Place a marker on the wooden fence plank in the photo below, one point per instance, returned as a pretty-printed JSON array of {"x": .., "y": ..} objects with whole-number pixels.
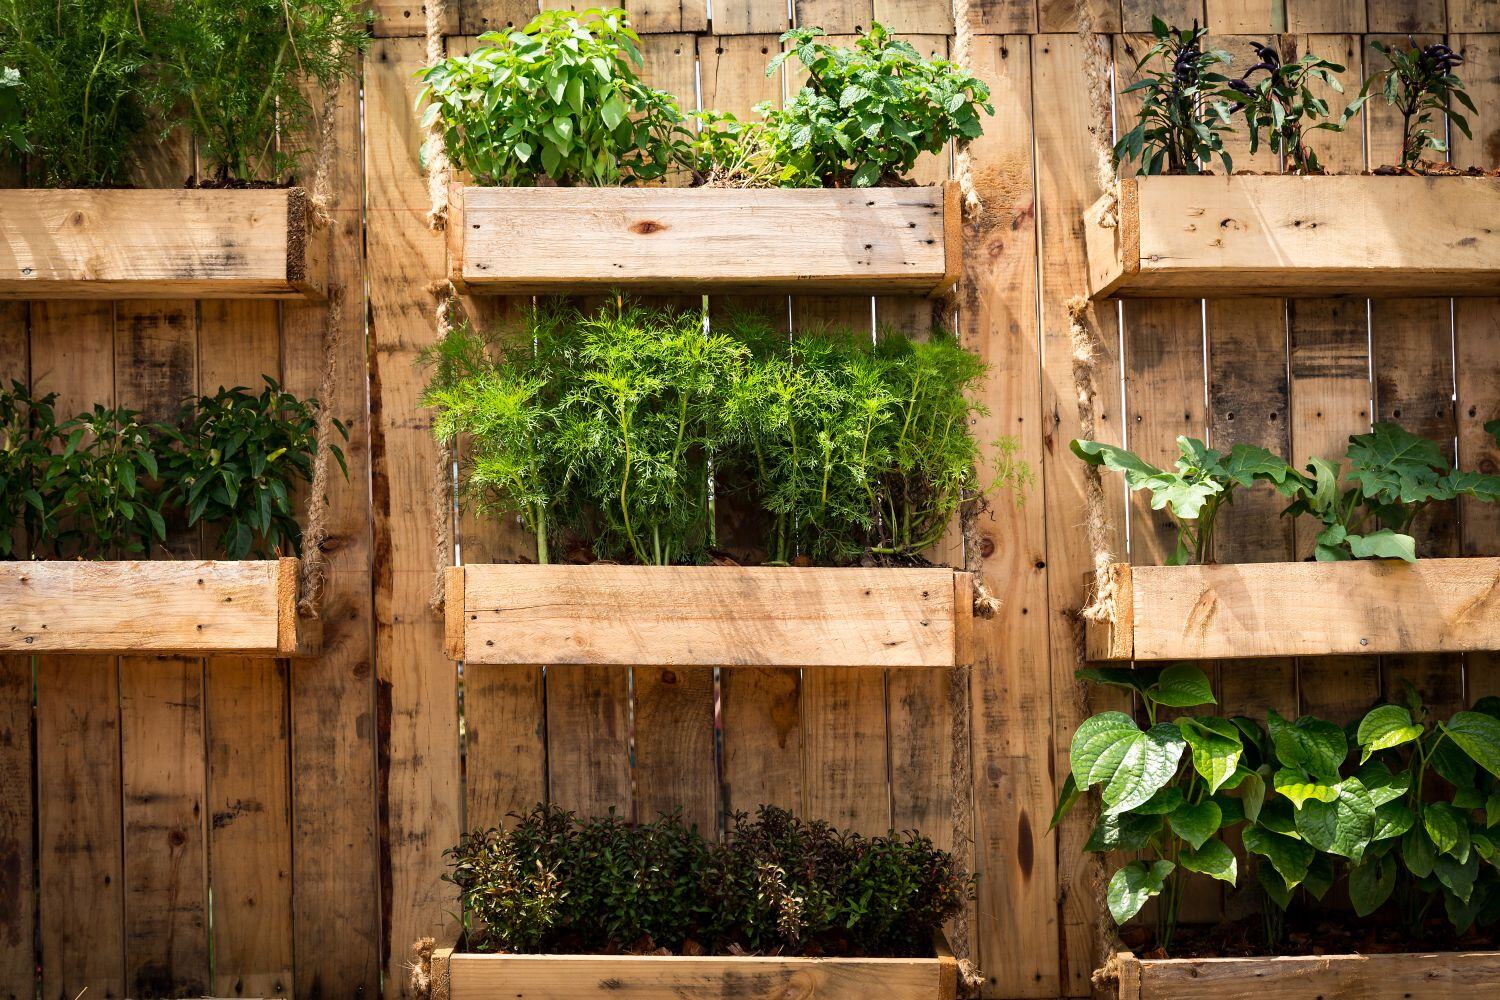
[
  {"x": 418, "y": 721},
  {"x": 748, "y": 17},
  {"x": 1407, "y": 16},
  {"x": 80, "y": 880},
  {"x": 1061, "y": 15},
  {"x": 1011, "y": 685},
  {"x": 475, "y": 17},
  {"x": 1326, "y": 16},
  {"x": 336, "y": 915}
]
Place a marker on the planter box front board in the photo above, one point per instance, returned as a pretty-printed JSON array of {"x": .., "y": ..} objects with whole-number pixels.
[
  {"x": 149, "y": 607},
  {"x": 1257, "y": 610},
  {"x": 709, "y": 616},
  {"x": 1203, "y": 237},
  {"x": 460, "y": 976},
  {"x": 159, "y": 244},
  {"x": 1414, "y": 976},
  {"x": 541, "y": 240}
]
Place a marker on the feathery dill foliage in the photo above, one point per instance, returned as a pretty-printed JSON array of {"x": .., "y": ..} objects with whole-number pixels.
[
  {"x": 608, "y": 427},
  {"x": 778, "y": 885},
  {"x": 234, "y": 73},
  {"x": 77, "y": 88}
]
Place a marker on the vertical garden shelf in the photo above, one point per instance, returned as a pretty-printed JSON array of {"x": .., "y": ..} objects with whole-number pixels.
[
  {"x": 460, "y": 976},
  {"x": 541, "y": 240},
  {"x": 160, "y": 244},
  {"x": 1365, "y": 235},
  {"x": 709, "y": 616},
  {"x": 1258, "y": 610},
  {"x": 1428, "y": 975},
  {"x": 149, "y": 607}
]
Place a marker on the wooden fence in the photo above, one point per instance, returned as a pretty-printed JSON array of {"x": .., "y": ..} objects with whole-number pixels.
[{"x": 254, "y": 828}]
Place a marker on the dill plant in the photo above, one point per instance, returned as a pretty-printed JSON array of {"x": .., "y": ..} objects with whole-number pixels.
[
  {"x": 71, "y": 71},
  {"x": 236, "y": 71}
]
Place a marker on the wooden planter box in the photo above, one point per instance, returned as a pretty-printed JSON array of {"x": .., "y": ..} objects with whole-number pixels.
[
  {"x": 149, "y": 607},
  {"x": 1203, "y": 237},
  {"x": 709, "y": 616},
  {"x": 1414, "y": 976},
  {"x": 159, "y": 244},
  {"x": 461, "y": 976},
  {"x": 1255, "y": 610},
  {"x": 541, "y": 240}
]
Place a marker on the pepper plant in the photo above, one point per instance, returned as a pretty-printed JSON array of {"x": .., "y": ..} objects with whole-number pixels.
[
  {"x": 559, "y": 99},
  {"x": 28, "y": 429},
  {"x": 238, "y": 461},
  {"x": 1167, "y": 791},
  {"x": 102, "y": 490},
  {"x": 1283, "y": 105},
  {"x": 1199, "y": 486},
  {"x": 1186, "y": 105},
  {"x": 1421, "y": 85}
]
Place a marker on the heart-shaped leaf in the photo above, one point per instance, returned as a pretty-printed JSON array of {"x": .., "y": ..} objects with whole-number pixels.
[
  {"x": 1297, "y": 786},
  {"x": 1182, "y": 686},
  {"x": 1289, "y": 856},
  {"x": 1448, "y": 828},
  {"x": 1213, "y": 859},
  {"x": 1371, "y": 883},
  {"x": 1122, "y": 832},
  {"x": 1478, "y": 735},
  {"x": 1133, "y": 885},
  {"x": 1215, "y": 746},
  {"x": 1133, "y": 765},
  {"x": 1385, "y": 727},
  {"x": 1343, "y": 826},
  {"x": 1195, "y": 823},
  {"x": 1392, "y": 819},
  {"x": 1382, "y": 785},
  {"x": 1318, "y": 747}
]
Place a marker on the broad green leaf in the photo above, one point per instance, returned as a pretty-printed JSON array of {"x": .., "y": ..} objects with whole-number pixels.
[
  {"x": 1290, "y": 857},
  {"x": 1276, "y": 889},
  {"x": 1252, "y": 789},
  {"x": 1382, "y": 785},
  {"x": 1161, "y": 803},
  {"x": 1492, "y": 810},
  {"x": 1448, "y": 828},
  {"x": 1295, "y": 784},
  {"x": 1385, "y": 727},
  {"x": 1343, "y": 826},
  {"x": 1317, "y": 747},
  {"x": 1212, "y": 859},
  {"x": 1215, "y": 746},
  {"x": 1479, "y": 736},
  {"x": 1122, "y": 832},
  {"x": 1392, "y": 819},
  {"x": 1371, "y": 883},
  {"x": 1383, "y": 544},
  {"x": 1457, "y": 876},
  {"x": 1182, "y": 686},
  {"x": 1133, "y": 885},
  {"x": 1319, "y": 876},
  {"x": 1417, "y": 851},
  {"x": 1133, "y": 765},
  {"x": 1066, "y": 799},
  {"x": 1195, "y": 823}
]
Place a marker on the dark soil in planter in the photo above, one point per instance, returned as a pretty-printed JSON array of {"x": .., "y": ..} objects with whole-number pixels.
[{"x": 1311, "y": 934}]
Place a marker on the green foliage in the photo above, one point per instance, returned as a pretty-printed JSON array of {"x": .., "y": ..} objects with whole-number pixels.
[
  {"x": 72, "y": 94},
  {"x": 1203, "y": 482},
  {"x": 237, "y": 70},
  {"x": 609, "y": 427},
  {"x": 237, "y": 465},
  {"x": 1411, "y": 816},
  {"x": 1283, "y": 105},
  {"x": 103, "y": 484},
  {"x": 1396, "y": 475},
  {"x": 1186, "y": 105},
  {"x": 1421, "y": 85},
  {"x": 866, "y": 113},
  {"x": 777, "y": 885},
  {"x": 559, "y": 99},
  {"x": 28, "y": 427}
]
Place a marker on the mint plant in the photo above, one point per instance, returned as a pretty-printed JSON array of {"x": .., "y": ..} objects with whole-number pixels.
[
  {"x": 1186, "y": 105},
  {"x": 1201, "y": 483},
  {"x": 560, "y": 99},
  {"x": 1283, "y": 105},
  {"x": 1420, "y": 84}
]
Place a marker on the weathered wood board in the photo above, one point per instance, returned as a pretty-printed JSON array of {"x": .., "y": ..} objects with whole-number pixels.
[
  {"x": 159, "y": 244},
  {"x": 156, "y": 607},
  {"x": 459, "y": 976},
  {"x": 537, "y": 240},
  {"x": 706, "y": 616},
  {"x": 1254, "y": 610},
  {"x": 1288, "y": 235},
  {"x": 1429, "y": 975}
]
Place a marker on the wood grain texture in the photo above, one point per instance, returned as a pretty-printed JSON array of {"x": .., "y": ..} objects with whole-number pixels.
[
  {"x": 1431, "y": 976},
  {"x": 575, "y": 977},
  {"x": 524, "y": 240},
  {"x": 160, "y": 607},
  {"x": 104, "y": 244},
  {"x": 707, "y": 616},
  {"x": 1279, "y": 236},
  {"x": 1326, "y": 15},
  {"x": 1365, "y": 607}
]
